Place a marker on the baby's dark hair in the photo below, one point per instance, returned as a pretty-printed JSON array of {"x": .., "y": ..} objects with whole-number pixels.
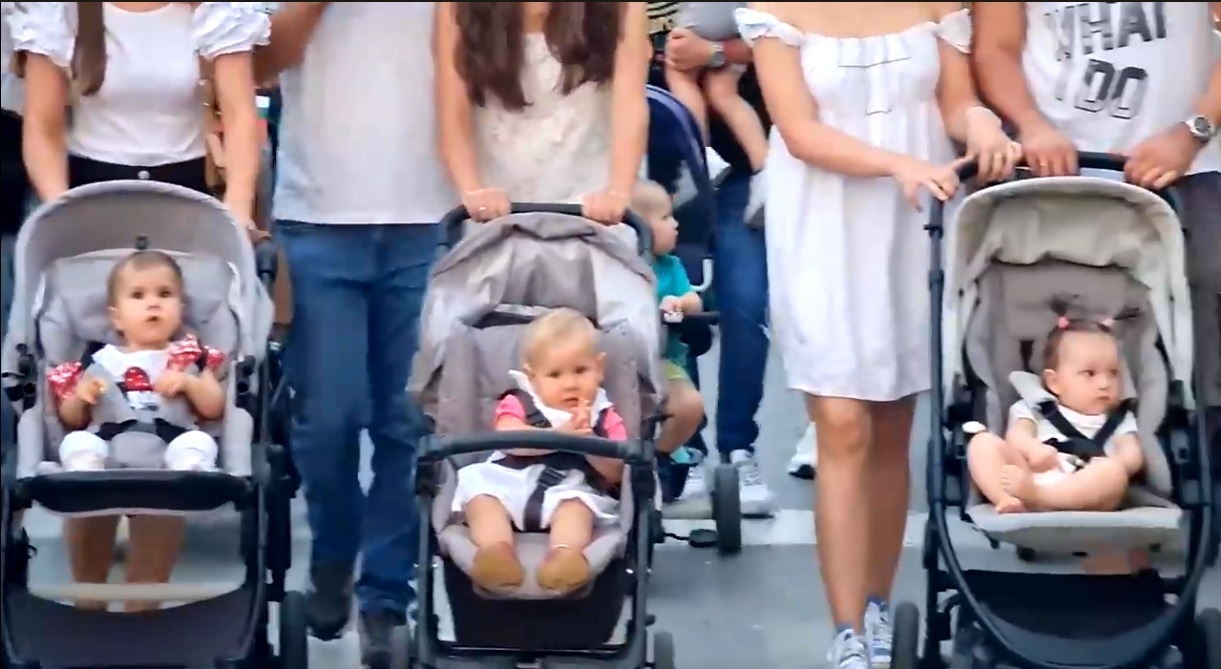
[
  {"x": 139, "y": 261},
  {"x": 1067, "y": 324}
]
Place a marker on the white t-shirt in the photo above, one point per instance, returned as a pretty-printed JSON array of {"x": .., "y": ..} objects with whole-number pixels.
[
  {"x": 1086, "y": 424},
  {"x": 1111, "y": 74},
  {"x": 11, "y": 97},
  {"x": 358, "y": 131},
  {"x": 145, "y": 366},
  {"x": 148, "y": 111}
]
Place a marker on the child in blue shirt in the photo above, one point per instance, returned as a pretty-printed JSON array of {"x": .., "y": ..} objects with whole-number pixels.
[{"x": 675, "y": 296}]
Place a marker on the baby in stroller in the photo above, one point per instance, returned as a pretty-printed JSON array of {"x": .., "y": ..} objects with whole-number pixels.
[
  {"x": 559, "y": 389},
  {"x": 124, "y": 401},
  {"x": 1072, "y": 443}
]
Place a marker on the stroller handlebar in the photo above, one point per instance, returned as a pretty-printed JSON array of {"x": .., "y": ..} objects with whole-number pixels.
[
  {"x": 1086, "y": 160},
  {"x": 438, "y": 447},
  {"x": 452, "y": 223}
]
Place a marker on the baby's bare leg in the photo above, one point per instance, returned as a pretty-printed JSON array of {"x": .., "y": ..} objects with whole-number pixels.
[
  {"x": 721, "y": 91},
  {"x": 495, "y": 564},
  {"x": 686, "y": 87},
  {"x": 987, "y": 457},
  {"x": 572, "y": 530},
  {"x": 1099, "y": 486},
  {"x": 152, "y": 552}
]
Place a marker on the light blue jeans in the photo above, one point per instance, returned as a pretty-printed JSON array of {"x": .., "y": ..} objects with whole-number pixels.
[{"x": 357, "y": 295}]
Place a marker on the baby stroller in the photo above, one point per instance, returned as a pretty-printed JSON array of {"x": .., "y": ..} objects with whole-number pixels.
[
  {"x": 481, "y": 295},
  {"x": 64, "y": 254},
  {"x": 1106, "y": 248}
]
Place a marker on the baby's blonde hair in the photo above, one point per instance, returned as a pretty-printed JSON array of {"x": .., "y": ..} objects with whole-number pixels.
[
  {"x": 558, "y": 325},
  {"x": 650, "y": 198}
]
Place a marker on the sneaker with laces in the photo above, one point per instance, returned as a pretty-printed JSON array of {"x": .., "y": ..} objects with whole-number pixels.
[
  {"x": 848, "y": 652},
  {"x": 878, "y": 635},
  {"x": 805, "y": 456},
  {"x": 328, "y": 606},
  {"x": 376, "y": 638},
  {"x": 757, "y": 498},
  {"x": 694, "y": 502}
]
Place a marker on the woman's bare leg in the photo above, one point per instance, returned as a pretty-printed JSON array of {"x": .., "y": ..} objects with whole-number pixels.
[
  {"x": 496, "y": 564},
  {"x": 1099, "y": 486},
  {"x": 842, "y": 509},
  {"x": 572, "y": 530},
  {"x": 686, "y": 87},
  {"x": 90, "y": 543},
  {"x": 888, "y": 480},
  {"x": 685, "y": 408},
  {"x": 152, "y": 551},
  {"x": 987, "y": 457},
  {"x": 721, "y": 92}
]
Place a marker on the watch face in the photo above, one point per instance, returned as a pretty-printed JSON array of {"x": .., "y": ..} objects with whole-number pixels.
[{"x": 1201, "y": 126}]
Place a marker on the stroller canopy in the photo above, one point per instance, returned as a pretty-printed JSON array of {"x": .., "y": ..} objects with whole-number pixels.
[{"x": 536, "y": 260}]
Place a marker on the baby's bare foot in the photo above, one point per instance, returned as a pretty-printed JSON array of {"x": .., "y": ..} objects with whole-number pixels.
[
  {"x": 1019, "y": 484},
  {"x": 1010, "y": 505}
]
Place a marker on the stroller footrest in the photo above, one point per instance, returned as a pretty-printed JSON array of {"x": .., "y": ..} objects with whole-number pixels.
[
  {"x": 133, "y": 489},
  {"x": 132, "y": 592}
]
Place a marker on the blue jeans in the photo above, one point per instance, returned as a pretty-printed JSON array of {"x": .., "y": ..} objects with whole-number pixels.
[
  {"x": 740, "y": 282},
  {"x": 357, "y": 295},
  {"x": 8, "y": 244}
]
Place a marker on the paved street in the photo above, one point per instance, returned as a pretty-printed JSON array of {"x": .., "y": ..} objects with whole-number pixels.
[{"x": 763, "y": 609}]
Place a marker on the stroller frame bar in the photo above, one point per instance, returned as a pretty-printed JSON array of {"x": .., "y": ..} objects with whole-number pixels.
[{"x": 946, "y": 573}]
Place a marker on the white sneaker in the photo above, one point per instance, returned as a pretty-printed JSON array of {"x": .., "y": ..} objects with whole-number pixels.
[
  {"x": 694, "y": 503},
  {"x": 878, "y": 636},
  {"x": 717, "y": 167},
  {"x": 85, "y": 461},
  {"x": 805, "y": 458},
  {"x": 848, "y": 652},
  {"x": 757, "y": 499},
  {"x": 758, "y": 197}
]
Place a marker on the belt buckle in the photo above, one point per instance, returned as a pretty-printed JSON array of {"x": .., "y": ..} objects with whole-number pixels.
[{"x": 551, "y": 477}]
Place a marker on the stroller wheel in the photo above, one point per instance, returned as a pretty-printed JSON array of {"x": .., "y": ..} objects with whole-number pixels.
[
  {"x": 294, "y": 642},
  {"x": 1206, "y": 646},
  {"x": 727, "y": 509},
  {"x": 663, "y": 651},
  {"x": 905, "y": 650}
]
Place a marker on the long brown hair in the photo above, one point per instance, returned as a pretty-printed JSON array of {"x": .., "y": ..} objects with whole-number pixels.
[
  {"x": 490, "y": 54},
  {"x": 88, "y": 67}
]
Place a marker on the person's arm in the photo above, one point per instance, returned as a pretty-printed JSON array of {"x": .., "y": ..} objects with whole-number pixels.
[
  {"x": 455, "y": 112},
  {"x": 956, "y": 96},
  {"x": 44, "y": 144},
  {"x": 737, "y": 52},
  {"x": 629, "y": 105},
  {"x": 1128, "y": 453},
  {"x": 794, "y": 112},
  {"x": 1023, "y": 435},
  {"x": 233, "y": 76},
  {"x": 292, "y": 26},
  {"x": 1209, "y": 105},
  {"x": 1000, "y": 37},
  {"x": 206, "y": 395}
]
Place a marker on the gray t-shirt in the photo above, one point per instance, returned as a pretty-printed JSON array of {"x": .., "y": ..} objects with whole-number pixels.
[{"x": 710, "y": 20}]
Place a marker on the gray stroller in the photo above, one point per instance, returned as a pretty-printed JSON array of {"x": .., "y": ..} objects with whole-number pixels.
[
  {"x": 481, "y": 295},
  {"x": 64, "y": 254}
]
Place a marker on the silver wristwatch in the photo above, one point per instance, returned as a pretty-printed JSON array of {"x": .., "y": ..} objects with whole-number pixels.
[
  {"x": 1201, "y": 128},
  {"x": 717, "y": 59}
]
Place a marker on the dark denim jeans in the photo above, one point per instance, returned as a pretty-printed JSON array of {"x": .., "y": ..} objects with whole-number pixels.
[
  {"x": 357, "y": 295},
  {"x": 740, "y": 283}
]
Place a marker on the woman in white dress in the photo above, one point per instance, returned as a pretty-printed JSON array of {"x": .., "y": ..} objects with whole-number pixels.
[
  {"x": 865, "y": 105},
  {"x": 543, "y": 102}
]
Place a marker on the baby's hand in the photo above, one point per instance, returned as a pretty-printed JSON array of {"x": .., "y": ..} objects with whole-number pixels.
[
  {"x": 88, "y": 390},
  {"x": 671, "y": 305},
  {"x": 579, "y": 423},
  {"x": 1044, "y": 457},
  {"x": 172, "y": 383}
]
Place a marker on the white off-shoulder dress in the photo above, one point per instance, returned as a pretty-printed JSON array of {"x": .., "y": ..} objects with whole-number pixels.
[
  {"x": 148, "y": 111},
  {"x": 847, "y": 256}
]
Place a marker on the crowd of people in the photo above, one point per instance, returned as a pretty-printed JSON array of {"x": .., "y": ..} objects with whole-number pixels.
[{"x": 392, "y": 113}]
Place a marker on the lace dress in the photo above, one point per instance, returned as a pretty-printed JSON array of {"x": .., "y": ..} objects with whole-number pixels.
[
  {"x": 556, "y": 149},
  {"x": 847, "y": 256}
]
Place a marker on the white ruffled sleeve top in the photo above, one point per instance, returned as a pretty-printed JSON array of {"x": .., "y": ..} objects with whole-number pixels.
[{"x": 148, "y": 111}]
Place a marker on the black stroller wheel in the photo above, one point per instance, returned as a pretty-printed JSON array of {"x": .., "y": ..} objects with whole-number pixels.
[
  {"x": 727, "y": 509},
  {"x": 905, "y": 649},
  {"x": 294, "y": 640},
  {"x": 1206, "y": 646},
  {"x": 663, "y": 651}
]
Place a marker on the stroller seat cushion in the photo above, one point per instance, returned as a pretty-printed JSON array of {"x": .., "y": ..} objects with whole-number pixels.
[
  {"x": 532, "y": 550},
  {"x": 1138, "y": 527}
]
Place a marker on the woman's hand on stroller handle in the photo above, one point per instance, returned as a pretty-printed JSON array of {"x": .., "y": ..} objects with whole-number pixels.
[
  {"x": 452, "y": 223},
  {"x": 1086, "y": 160},
  {"x": 439, "y": 447}
]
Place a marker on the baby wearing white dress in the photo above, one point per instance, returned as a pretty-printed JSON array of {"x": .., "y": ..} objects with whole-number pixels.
[
  {"x": 559, "y": 390},
  {"x": 1079, "y": 456},
  {"x": 148, "y": 369}
]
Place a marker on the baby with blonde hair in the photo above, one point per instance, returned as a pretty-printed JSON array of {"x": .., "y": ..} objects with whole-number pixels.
[{"x": 558, "y": 389}]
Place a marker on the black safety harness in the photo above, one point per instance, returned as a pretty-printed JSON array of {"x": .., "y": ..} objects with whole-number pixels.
[
  {"x": 557, "y": 465},
  {"x": 163, "y": 429},
  {"x": 1076, "y": 444}
]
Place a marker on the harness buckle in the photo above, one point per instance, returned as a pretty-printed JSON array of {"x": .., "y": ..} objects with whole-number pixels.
[{"x": 551, "y": 477}]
